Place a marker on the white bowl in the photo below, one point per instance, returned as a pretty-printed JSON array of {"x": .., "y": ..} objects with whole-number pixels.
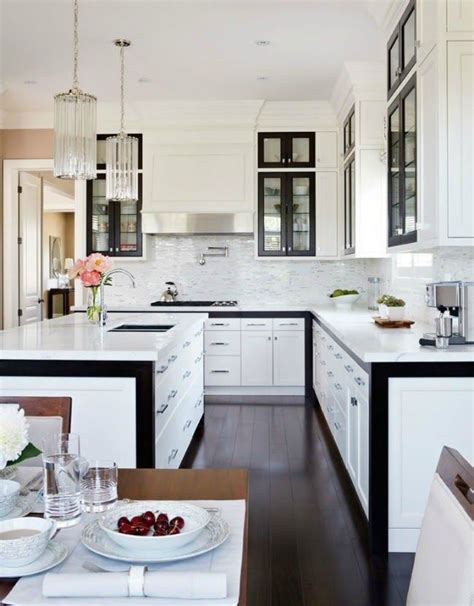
[
  {"x": 345, "y": 301},
  {"x": 24, "y": 550},
  {"x": 396, "y": 313},
  {"x": 9, "y": 492},
  {"x": 195, "y": 520}
]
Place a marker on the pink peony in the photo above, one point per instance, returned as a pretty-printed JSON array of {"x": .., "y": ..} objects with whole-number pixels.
[
  {"x": 90, "y": 278},
  {"x": 97, "y": 262},
  {"x": 76, "y": 269}
]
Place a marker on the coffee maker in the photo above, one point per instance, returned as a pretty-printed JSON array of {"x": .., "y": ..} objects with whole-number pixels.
[{"x": 456, "y": 299}]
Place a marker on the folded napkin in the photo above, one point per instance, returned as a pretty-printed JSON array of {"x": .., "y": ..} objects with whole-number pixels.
[{"x": 136, "y": 582}]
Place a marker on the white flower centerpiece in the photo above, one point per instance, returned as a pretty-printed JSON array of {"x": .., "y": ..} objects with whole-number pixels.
[{"x": 15, "y": 446}]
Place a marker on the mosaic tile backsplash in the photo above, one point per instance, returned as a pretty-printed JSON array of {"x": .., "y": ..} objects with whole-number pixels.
[{"x": 281, "y": 282}]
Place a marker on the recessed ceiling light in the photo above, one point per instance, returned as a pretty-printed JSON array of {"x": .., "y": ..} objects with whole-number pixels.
[
  {"x": 260, "y": 78},
  {"x": 30, "y": 82},
  {"x": 144, "y": 80},
  {"x": 262, "y": 42}
]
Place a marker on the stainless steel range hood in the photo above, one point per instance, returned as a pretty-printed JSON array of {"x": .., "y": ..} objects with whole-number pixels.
[{"x": 197, "y": 223}]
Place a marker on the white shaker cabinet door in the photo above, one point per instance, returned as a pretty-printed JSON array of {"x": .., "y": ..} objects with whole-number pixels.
[
  {"x": 362, "y": 485},
  {"x": 460, "y": 15},
  {"x": 288, "y": 357},
  {"x": 425, "y": 414},
  {"x": 326, "y": 150},
  {"x": 460, "y": 140},
  {"x": 257, "y": 357},
  {"x": 326, "y": 214}
]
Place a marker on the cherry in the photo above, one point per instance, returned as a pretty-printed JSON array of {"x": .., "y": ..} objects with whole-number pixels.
[
  {"x": 174, "y": 530},
  {"x": 125, "y": 528},
  {"x": 162, "y": 517},
  {"x": 162, "y": 526},
  {"x": 160, "y": 532},
  {"x": 123, "y": 520},
  {"x": 140, "y": 531},
  {"x": 149, "y": 518},
  {"x": 177, "y": 521},
  {"x": 137, "y": 521}
]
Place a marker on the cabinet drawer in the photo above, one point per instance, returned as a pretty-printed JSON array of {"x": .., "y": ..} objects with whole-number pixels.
[
  {"x": 222, "y": 324},
  {"x": 222, "y": 370},
  {"x": 257, "y": 324},
  {"x": 222, "y": 343},
  {"x": 288, "y": 323}
]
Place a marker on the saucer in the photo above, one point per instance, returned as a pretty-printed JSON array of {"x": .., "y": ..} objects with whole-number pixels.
[
  {"x": 54, "y": 554},
  {"x": 23, "y": 507}
]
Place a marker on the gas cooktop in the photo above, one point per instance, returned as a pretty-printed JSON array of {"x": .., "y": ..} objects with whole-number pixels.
[{"x": 194, "y": 304}]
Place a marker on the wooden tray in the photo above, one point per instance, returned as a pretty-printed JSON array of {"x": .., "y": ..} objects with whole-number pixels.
[{"x": 384, "y": 323}]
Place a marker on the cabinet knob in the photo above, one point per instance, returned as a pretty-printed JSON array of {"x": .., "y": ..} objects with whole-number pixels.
[
  {"x": 276, "y": 338},
  {"x": 353, "y": 401}
]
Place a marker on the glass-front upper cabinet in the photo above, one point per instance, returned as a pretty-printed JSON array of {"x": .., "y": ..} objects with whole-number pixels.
[
  {"x": 286, "y": 214},
  {"x": 349, "y": 207},
  {"x": 349, "y": 132},
  {"x": 113, "y": 228},
  {"x": 401, "y": 49},
  {"x": 402, "y": 187},
  {"x": 286, "y": 150}
]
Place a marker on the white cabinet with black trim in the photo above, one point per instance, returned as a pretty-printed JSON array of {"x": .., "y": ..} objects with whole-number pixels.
[{"x": 255, "y": 356}]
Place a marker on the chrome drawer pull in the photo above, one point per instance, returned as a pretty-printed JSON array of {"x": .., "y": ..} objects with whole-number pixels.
[
  {"x": 173, "y": 454},
  {"x": 338, "y": 356},
  {"x": 198, "y": 359},
  {"x": 186, "y": 344},
  {"x": 331, "y": 347},
  {"x": 198, "y": 403},
  {"x": 219, "y": 324},
  {"x": 162, "y": 369},
  {"x": 323, "y": 363},
  {"x": 220, "y": 371},
  {"x": 256, "y": 324},
  {"x": 187, "y": 425},
  {"x": 330, "y": 373},
  {"x": 199, "y": 332},
  {"x": 162, "y": 409},
  {"x": 353, "y": 401},
  {"x": 172, "y": 359},
  {"x": 288, "y": 324},
  {"x": 219, "y": 343},
  {"x": 338, "y": 386},
  {"x": 186, "y": 374},
  {"x": 359, "y": 381},
  {"x": 349, "y": 368},
  {"x": 173, "y": 393}
]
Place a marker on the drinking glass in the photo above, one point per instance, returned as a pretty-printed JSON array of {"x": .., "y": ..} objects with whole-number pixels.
[
  {"x": 63, "y": 469},
  {"x": 99, "y": 486}
]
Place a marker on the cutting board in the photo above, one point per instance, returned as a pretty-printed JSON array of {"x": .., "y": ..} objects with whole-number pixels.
[{"x": 384, "y": 323}]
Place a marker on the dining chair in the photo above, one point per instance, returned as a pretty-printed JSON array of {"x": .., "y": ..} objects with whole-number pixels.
[
  {"x": 45, "y": 415},
  {"x": 443, "y": 572}
]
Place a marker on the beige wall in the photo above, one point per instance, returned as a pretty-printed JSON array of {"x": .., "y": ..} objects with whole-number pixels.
[
  {"x": 1, "y": 228},
  {"x": 26, "y": 144}
]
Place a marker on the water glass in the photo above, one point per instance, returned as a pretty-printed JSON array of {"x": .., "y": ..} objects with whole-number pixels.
[
  {"x": 63, "y": 469},
  {"x": 99, "y": 486}
]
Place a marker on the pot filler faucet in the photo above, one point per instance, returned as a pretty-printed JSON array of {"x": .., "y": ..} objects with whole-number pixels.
[{"x": 103, "y": 307}]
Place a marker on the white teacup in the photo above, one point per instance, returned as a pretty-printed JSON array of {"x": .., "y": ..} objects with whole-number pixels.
[
  {"x": 9, "y": 491},
  {"x": 23, "y": 540}
]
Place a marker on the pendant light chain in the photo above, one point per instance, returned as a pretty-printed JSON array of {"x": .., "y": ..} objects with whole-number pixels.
[
  {"x": 122, "y": 89},
  {"x": 75, "y": 80}
]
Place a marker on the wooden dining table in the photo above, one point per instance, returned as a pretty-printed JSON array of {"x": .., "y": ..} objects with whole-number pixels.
[{"x": 182, "y": 485}]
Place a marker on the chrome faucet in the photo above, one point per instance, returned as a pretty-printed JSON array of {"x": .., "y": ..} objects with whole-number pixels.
[{"x": 103, "y": 307}]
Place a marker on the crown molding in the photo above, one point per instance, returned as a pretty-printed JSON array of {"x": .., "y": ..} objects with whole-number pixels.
[
  {"x": 386, "y": 14},
  {"x": 296, "y": 114}
]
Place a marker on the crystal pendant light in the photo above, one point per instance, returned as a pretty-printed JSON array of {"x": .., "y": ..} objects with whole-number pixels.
[
  {"x": 121, "y": 151},
  {"x": 75, "y": 132}
]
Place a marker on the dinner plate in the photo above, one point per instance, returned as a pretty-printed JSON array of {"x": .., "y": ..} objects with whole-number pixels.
[
  {"x": 213, "y": 535},
  {"x": 23, "y": 507},
  {"x": 53, "y": 555}
]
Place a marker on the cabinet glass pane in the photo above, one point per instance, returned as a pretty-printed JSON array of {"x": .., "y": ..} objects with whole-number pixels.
[
  {"x": 272, "y": 214},
  {"x": 410, "y": 204},
  {"x": 101, "y": 151},
  {"x": 396, "y": 220},
  {"x": 409, "y": 39},
  {"x": 394, "y": 150},
  {"x": 347, "y": 207},
  {"x": 301, "y": 213},
  {"x": 128, "y": 227},
  {"x": 409, "y": 132},
  {"x": 393, "y": 61},
  {"x": 353, "y": 203},
  {"x": 272, "y": 150},
  {"x": 100, "y": 217},
  {"x": 352, "y": 130},
  {"x": 300, "y": 149}
]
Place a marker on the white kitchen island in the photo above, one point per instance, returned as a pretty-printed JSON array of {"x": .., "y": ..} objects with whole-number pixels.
[{"x": 137, "y": 397}]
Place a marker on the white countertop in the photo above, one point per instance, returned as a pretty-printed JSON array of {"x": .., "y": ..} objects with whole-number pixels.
[
  {"x": 357, "y": 330},
  {"x": 73, "y": 337}
]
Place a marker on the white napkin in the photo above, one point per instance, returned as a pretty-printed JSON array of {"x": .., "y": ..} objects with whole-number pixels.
[{"x": 197, "y": 585}]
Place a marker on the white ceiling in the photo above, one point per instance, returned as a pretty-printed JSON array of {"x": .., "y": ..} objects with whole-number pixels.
[{"x": 189, "y": 49}]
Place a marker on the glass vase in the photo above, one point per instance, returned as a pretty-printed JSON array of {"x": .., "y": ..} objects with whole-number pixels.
[{"x": 93, "y": 307}]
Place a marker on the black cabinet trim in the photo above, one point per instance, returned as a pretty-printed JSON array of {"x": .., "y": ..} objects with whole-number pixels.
[
  {"x": 399, "y": 34},
  {"x": 349, "y": 142},
  {"x": 286, "y": 139}
]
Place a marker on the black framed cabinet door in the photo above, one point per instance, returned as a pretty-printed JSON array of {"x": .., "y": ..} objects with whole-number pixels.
[
  {"x": 272, "y": 213},
  {"x": 286, "y": 150},
  {"x": 100, "y": 219},
  {"x": 300, "y": 191}
]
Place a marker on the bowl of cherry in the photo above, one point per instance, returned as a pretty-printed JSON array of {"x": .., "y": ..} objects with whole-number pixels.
[{"x": 154, "y": 525}]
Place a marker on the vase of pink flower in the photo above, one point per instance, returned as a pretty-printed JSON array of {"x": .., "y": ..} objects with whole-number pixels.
[{"x": 92, "y": 272}]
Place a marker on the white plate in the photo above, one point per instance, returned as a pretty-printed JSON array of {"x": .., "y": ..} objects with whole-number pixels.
[
  {"x": 23, "y": 507},
  {"x": 54, "y": 554},
  {"x": 213, "y": 535}
]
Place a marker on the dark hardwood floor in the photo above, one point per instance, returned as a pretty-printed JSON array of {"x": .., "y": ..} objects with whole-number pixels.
[{"x": 307, "y": 542}]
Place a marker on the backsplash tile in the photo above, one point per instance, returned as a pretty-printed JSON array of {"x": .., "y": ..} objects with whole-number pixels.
[{"x": 240, "y": 276}]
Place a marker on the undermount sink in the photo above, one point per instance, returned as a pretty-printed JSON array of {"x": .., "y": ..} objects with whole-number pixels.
[{"x": 142, "y": 328}]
